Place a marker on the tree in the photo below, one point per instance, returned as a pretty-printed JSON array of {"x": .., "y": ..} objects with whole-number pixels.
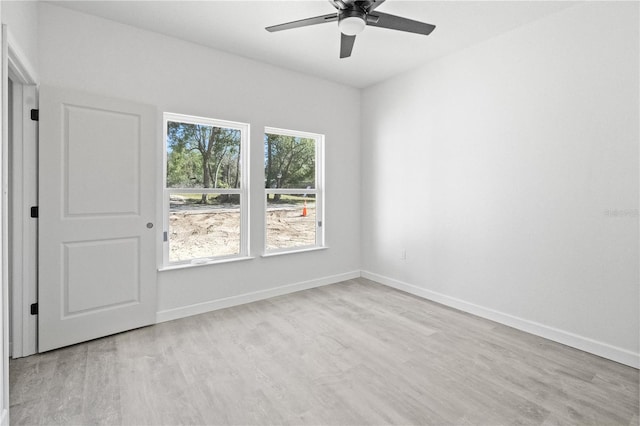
[
  {"x": 184, "y": 168},
  {"x": 214, "y": 148},
  {"x": 289, "y": 162}
]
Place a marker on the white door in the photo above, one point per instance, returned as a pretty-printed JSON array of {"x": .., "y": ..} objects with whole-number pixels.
[{"x": 96, "y": 217}]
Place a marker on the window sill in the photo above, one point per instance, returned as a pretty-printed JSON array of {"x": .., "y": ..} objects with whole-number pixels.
[
  {"x": 203, "y": 263},
  {"x": 293, "y": 251}
]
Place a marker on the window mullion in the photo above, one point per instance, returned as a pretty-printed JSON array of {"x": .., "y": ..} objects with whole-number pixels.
[{"x": 293, "y": 191}]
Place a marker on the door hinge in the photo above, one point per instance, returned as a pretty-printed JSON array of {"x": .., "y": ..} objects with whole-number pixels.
[
  {"x": 34, "y": 309},
  {"x": 319, "y": 224},
  {"x": 165, "y": 237},
  {"x": 34, "y": 211},
  {"x": 35, "y": 114}
]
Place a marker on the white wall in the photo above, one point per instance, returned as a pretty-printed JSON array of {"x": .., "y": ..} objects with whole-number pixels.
[
  {"x": 494, "y": 168},
  {"x": 21, "y": 18},
  {"x": 509, "y": 173},
  {"x": 91, "y": 54}
]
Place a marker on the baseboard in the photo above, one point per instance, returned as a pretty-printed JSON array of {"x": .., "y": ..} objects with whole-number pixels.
[
  {"x": 212, "y": 305},
  {"x": 586, "y": 344}
]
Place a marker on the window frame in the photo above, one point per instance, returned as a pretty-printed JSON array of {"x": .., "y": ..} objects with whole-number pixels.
[
  {"x": 243, "y": 191},
  {"x": 318, "y": 191}
]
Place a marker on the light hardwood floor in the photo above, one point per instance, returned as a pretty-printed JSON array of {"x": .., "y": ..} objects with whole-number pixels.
[{"x": 353, "y": 353}]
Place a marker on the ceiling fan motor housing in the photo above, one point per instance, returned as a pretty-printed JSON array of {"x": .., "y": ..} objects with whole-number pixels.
[{"x": 352, "y": 21}]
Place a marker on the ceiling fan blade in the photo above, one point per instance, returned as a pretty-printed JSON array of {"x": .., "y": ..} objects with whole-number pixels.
[
  {"x": 346, "y": 45},
  {"x": 374, "y": 4},
  {"x": 304, "y": 22},
  {"x": 394, "y": 22}
]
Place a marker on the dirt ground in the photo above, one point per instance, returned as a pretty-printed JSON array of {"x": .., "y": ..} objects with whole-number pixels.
[{"x": 207, "y": 231}]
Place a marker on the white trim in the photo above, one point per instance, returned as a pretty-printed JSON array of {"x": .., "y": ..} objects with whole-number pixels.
[
  {"x": 4, "y": 269},
  {"x": 293, "y": 133},
  {"x": 293, "y": 251},
  {"x": 227, "y": 302},
  {"x": 586, "y": 344},
  {"x": 292, "y": 191},
  {"x": 4, "y": 418},
  {"x": 16, "y": 214},
  {"x": 321, "y": 220},
  {"x": 194, "y": 263},
  {"x": 192, "y": 119},
  {"x": 20, "y": 68},
  {"x": 204, "y": 191},
  {"x": 24, "y": 194}
]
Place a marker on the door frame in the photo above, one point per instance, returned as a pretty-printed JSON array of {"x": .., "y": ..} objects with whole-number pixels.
[{"x": 22, "y": 254}]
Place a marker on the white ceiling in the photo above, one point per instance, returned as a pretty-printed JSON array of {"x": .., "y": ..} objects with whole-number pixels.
[{"x": 238, "y": 27}]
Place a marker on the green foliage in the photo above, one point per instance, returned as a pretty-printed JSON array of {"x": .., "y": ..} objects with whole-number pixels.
[
  {"x": 184, "y": 168},
  {"x": 202, "y": 156},
  {"x": 289, "y": 161}
]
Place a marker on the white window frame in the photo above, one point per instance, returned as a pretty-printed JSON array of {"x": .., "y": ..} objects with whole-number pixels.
[
  {"x": 318, "y": 191},
  {"x": 243, "y": 191}
]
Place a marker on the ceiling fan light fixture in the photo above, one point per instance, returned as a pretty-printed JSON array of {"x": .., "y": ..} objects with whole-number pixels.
[{"x": 352, "y": 25}]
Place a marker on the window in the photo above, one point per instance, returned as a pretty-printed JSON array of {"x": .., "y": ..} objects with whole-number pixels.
[
  {"x": 293, "y": 190},
  {"x": 206, "y": 187}
]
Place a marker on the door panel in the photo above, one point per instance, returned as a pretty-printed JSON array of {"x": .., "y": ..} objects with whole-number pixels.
[
  {"x": 115, "y": 145},
  {"x": 97, "y": 193},
  {"x": 91, "y": 285}
]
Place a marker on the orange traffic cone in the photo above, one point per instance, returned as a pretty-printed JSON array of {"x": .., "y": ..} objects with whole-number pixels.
[{"x": 304, "y": 210}]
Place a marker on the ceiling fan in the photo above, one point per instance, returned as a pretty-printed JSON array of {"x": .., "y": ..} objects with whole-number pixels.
[{"x": 353, "y": 16}]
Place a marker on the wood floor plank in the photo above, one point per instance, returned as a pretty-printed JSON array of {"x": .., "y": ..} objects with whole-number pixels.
[
  {"x": 29, "y": 377},
  {"x": 66, "y": 391},
  {"x": 354, "y": 353},
  {"x": 101, "y": 397}
]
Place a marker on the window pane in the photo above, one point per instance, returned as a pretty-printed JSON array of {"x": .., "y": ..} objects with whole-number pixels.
[
  {"x": 203, "y": 225},
  {"x": 202, "y": 156},
  {"x": 291, "y": 221},
  {"x": 289, "y": 162}
]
